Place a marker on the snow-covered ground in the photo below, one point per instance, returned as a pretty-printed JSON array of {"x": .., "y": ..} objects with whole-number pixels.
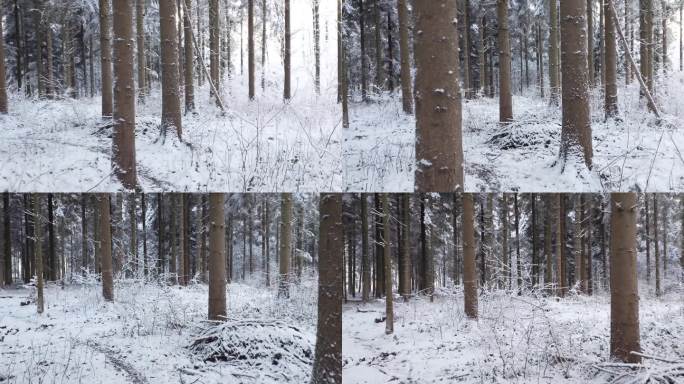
[
  {"x": 517, "y": 339},
  {"x": 628, "y": 154},
  {"x": 259, "y": 146},
  {"x": 145, "y": 334}
]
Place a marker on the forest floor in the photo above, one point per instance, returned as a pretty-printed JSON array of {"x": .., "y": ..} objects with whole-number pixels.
[
  {"x": 632, "y": 153},
  {"x": 517, "y": 339},
  {"x": 145, "y": 335},
  {"x": 264, "y": 145}
]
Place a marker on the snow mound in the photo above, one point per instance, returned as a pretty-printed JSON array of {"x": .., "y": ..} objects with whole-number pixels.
[{"x": 255, "y": 344}]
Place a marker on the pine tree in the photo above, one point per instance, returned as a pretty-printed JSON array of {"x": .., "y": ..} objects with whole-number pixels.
[
  {"x": 469, "y": 262},
  {"x": 217, "y": 258},
  {"x": 285, "y": 244}
]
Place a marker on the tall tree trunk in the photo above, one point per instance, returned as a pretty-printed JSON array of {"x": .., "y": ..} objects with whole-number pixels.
[
  {"x": 505, "y": 271},
  {"x": 577, "y": 236},
  {"x": 7, "y": 230},
  {"x": 214, "y": 46},
  {"x": 140, "y": 33},
  {"x": 144, "y": 232},
  {"x": 576, "y": 133},
  {"x": 288, "y": 53},
  {"x": 386, "y": 246},
  {"x": 317, "y": 45},
  {"x": 123, "y": 149},
  {"x": 217, "y": 258},
  {"x": 171, "y": 110},
  {"x": 439, "y": 148},
  {"x": 610, "y": 69},
  {"x": 379, "y": 251},
  {"x": 469, "y": 263},
  {"x": 3, "y": 85},
  {"x": 106, "y": 57},
  {"x": 362, "y": 38},
  {"x": 406, "y": 86},
  {"x": 52, "y": 263},
  {"x": 105, "y": 248},
  {"x": 467, "y": 81},
  {"x": 554, "y": 64},
  {"x": 365, "y": 262},
  {"x": 405, "y": 256},
  {"x": 343, "y": 70},
  {"x": 189, "y": 51},
  {"x": 327, "y": 366},
  {"x": 648, "y": 241},
  {"x": 18, "y": 32},
  {"x": 84, "y": 235},
  {"x": 624, "y": 293},
  {"x": 590, "y": 40},
  {"x": 285, "y": 244},
  {"x": 560, "y": 246},
  {"x": 250, "y": 47},
  {"x": 505, "y": 98},
  {"x": 628, "y": 32},
  {"x": 38, "y": 251},
  {"x": 548, "y": 267},
  {"x": 133, "y": 221},
  {"x": 655, "y": 244},
  {"x": 264, "y": 16},
  {"x": 518, "y": 263}
]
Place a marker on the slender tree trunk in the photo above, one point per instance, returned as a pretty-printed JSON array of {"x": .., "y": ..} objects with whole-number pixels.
[
  {"x": 214, "y": 45},
  {"x": 250, "y": 47},
  {"x": 327, "y": 367},
  {"x": 144, "y": 232},
  {"x": 467, "y": 81},
  {"x": 439, "y": 151},
  {"x": 518, "y": 263},
  {"x": 628, "y": 27},
  {"x": 469, "y": 262},
  {"x": 610, "y": 70},
  {"x": 576, "y": 137},
  {"x": 365, "y": 262},
  {"x": 105, "y": 248},
  {"x": 288, "y": 53},
  {"x": 406, "y": 86},
  {"x": 171, "y": 110},
  {"x": 362, "y": 38},
  {"x": 217, "y": 258},
  {"x": 317, "y": 46},
  {"x": 548, "y": 268},
  {"x": 386, "y": 246},
  {"x": 84, "y": 235},
  {"x": 106, "y": 57},
  {"x": 560, "y": 246},
  {"x": 285, "y": 244},
  {"x": 189, "y": 51},
  {"x": 405, "y": 256},
  {"x": 624, "y": 293},
  {"x": 38, "y": 250},
  {"x": 505, "y": 272},
  {"x": 648, "y": 241},
  {"x": 655, "y": 245},
  {"x": 264, "y": 16},
  {"x": 505, "y": 98},
  {"x": 590, "y": 40},
  {"x": 52, "y": 264},
  {"x": 3, "y": 85},
  {"x": 7, "y": 228},
  {"x": 343, "y": 70},
  {"x": 123, "y": 148},
  {"x": 140, "y": 32}
]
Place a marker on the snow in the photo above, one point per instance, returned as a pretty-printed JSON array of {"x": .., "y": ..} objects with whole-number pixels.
[
  {"x": 145, "y": 334},
  {"x": 523, "y": 339},
  {"x": 261, "y": 146},
  {"x": 634, "y": 153}
]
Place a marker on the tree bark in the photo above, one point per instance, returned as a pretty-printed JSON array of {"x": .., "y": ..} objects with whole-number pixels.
[
  {"x": 140, "y": 33},
  {"x": 105, "y": 248},
  {"x": 106, "y": 57},
  {"x": 610, "y": 70},
  {"x": 327, "y": 367},
  {"x": 52, "y": 263},
  {"x": 624, "y": 295},
  {"x": 590, "y": 40},
  {"x": 7, "y": 228},
  {"x": 576, "y": 140},
  {"x": 655, "y": 245},
  {"x": 171, "y": 110},
  {"x": 406, "y": 80},
  {"x": 469, "y": 263},
  {"x": 405, "y": 277},
  {"x": 288, "y": 53},
  {"x": 3, "y": 85},
  {"x": 439, "y": 148},
  {"x": 123, "y": 148},
  {"x": 505, "y": 98},
  {"x": 250, "y": 47},
  {"x": 217, "y": 258},
  {"x": 317, "y": 46},
  {"x": 214, "y": 45},
  {"x": 285, "y": 245},
  {"x": 386, "y": 245},
  {"x": 365, "y": 262},
  {"x": 38, "y": 251}
]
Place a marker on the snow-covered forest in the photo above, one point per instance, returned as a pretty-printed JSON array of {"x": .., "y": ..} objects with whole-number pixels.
[
  {"x": 170, "y": 288},
  {"x": 566, "y": 288},
  {"x": 514, "y": 97},
  {"x": 166, "y": 95}
]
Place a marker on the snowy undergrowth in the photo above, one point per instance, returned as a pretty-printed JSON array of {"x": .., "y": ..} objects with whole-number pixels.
[
  {"x": 634, "y": 152},
  {"x": 143, "y": 336},
  {"x": 517, "y": 339}
]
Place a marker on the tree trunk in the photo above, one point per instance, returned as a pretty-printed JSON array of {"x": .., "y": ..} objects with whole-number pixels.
[
  {"x": 576, "y": 137},
  {"x": 38, "y": 251},
  {"x": 505, "y": 271},
  {"x": 439, "y": 151},
  {"x": 327, "y": 367},
  {"x": 106, "y": 57},
  {"x": 628, "y": 27},
  {"x": 84, "y": 235},
  {"x": 288, "y": 52},
  {"x": 52, "y": 263},
  {"x": 469, "y": 262},
  {"x": 3, "y": 85},
  {"x": 590, "y": 40},
  {"x": 535, "y": 242},
  {"x": 379, "y": 251},
  {"x": 217, "y": 258},
  {"x": 189, "y": 52},
  {"x": 548, "y": 267},
  {"x": 285, "y": 245},
  {"x": 317, "y": 45},
  {"x": 405, "y": 256},
  {"x": 144, "y": 232},
  {"x": 362, "y": 38},
  {"x": 365, "y": 262},
  {"x": 7, "y": 228},
  {"x": 505, "y": 98},
  {"x": 264, "y": 15},
  {"x": 171, "y": 110},
  {"x": 343, "y": 78},
  {"x": 624, "y": 294},
  {"x": 214, "y": 46},
  {"x": 386, "y": 244},
  {"x": 560, "y": 246},
  {"x": 648, "y": 241},
  {"x": 140, "y": 32},
  {"x": 467, "y": 81},
  {"x": 406, "y": 86},
  {"x": 610, "y": 70},
  {"x": 655, "y": 245},
  {"x": 105, "y": 248},
  {"x": 250, "y": 46},
  {"x": 518, "y": 263},
  {"x": 123, "y": 149},
  {"x": 133, "y": 221}
]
